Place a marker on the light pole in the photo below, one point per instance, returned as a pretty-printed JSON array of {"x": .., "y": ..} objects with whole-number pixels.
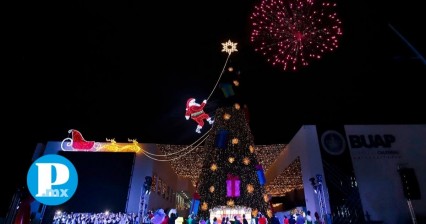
[{"x": 319, "y": 191}]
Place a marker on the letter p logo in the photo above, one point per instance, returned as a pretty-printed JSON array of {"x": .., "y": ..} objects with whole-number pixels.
[
  {"x": 52, "y": 179},
  {"x": 45, "y": 177}
]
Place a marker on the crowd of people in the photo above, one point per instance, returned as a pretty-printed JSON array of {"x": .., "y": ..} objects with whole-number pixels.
[
  {"x": 95, "y": 218},
  {"x": 160, "y": 217},
  {"x": 302, "y": 219}
]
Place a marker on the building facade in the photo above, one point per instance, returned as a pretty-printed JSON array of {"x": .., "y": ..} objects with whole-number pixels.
[
  {"x": 167, "y": 190},
  {"x": 361, "y": 170}
]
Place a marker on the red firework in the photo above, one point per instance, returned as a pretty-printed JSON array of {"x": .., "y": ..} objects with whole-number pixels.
[{"x": 291, "y": 33}]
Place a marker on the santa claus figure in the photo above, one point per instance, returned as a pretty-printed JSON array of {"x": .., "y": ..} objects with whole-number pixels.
[{"x": 195, "y": 112}]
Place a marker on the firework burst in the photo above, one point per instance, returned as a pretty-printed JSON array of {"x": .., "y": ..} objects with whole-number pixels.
[{"x": 294, "y": 32}]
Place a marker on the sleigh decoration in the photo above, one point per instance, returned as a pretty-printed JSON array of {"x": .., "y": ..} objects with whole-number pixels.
[
  {"x": 113, "y": 146},
  {"x": 77, "y": 143}
]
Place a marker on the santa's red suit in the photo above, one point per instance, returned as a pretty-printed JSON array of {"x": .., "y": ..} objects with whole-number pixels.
[{"x": 195, "y": 112}]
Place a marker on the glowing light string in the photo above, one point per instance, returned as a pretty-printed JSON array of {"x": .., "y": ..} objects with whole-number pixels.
[{"x": 187, "y": 152}]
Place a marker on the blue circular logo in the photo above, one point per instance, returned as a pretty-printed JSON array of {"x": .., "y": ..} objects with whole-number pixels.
[
  {"x": 52, "y": 179},
  {"x": 333, "y": 142}
]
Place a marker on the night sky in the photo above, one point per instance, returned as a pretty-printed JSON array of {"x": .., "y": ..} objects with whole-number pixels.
[{"x": 124, "y": 69}]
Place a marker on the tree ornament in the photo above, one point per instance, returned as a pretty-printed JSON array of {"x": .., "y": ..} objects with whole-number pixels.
[
  {"x": 226, "y": 116},
  {"x": 232, "y": 186},
  {"x": 251, "y": 148},
  {"x": 250, "y": 188},
  {"x": 246, "y": 161},
  {"x": 260, "y": 174},
  {"x": 235, "y": 141},
  {"x": 230, "y": 203},
  {"x": 213, "y": 167},
  {"x": 204, "y": 206},
  {"x": 231, "y": 159}
]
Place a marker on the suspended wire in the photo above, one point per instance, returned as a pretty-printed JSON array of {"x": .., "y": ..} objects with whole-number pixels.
[
  {"x": 167, "y": 160},
  {"x": 189, "y": 146},
  {"x": 220, "y": 76}
]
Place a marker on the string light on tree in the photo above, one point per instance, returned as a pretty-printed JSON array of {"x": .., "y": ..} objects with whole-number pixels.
[
  {"x": 190, "y": 165},
  {"x": 250, "y": 188},
  {"x": 230, "y": 203},
  {"x": 294, "y": 32},
  {"x": 213, "y": 167},
  {"x": 237, "y": 106},
  {"x": 231, "y": 159},
  {"x": 226, "y": 116},
  {"x": 205, "y": 206},
  {"x": 235, "y": 141},
  {"x": 251, "y": 148},
  {"x": 246, "y": 161}
]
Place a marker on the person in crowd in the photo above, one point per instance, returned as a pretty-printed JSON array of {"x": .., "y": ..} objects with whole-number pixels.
[
  {"x": 317, "y": 218},
  {"x": 195, "y": 219},
  {"x": 237, "y": 221},
  {"x": 244, "y": 219},
  {"x": 172, "y": 218},
  {"x": 166, "y": 219},
  {"x": 300, "y": 219},
  {"x": 262, "y": 219},
  {"x": 189, "y": 220},
  {"x": 223, "y": 221},
  {"x": 292, "y": 220},
  {"x": 308, "y": 217},
  {"x": 274, "y": 219},
  {"x": 286, "y": 220}
]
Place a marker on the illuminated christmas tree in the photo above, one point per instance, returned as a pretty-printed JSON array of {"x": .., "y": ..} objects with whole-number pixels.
[{"x": 232, "y": 180}]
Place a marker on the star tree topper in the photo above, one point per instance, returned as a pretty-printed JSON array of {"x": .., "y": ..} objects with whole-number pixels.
[{"x": 229, "y": 47}]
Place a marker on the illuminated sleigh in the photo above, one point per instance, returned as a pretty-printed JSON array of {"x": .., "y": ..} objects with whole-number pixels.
[{"x": 78, "y": 143}]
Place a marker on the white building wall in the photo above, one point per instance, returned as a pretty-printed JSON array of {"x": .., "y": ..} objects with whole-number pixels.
[
  {"x": 164, "y": 171},
  {"x": 304, "y": 145},
  {"x": 376, "y": 168},
  {"x": 143, "y": 167}
]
